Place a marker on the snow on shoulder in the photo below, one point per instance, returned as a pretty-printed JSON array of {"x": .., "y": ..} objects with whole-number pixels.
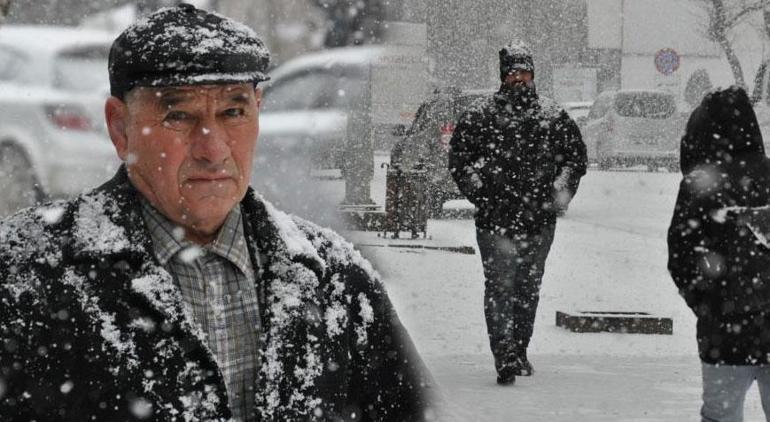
[
  {"x": 296, "y": 242},
  {"x": 337, "y": 251},
  {"x": 305, "y": 238},
  {"x": 551, "y": 109},
  {"x": 94, "y": 231},
  {"x": 24, "y": 235}
]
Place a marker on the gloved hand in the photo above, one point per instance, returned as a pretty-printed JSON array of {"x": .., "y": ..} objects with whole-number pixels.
[
  {"x": 561, "y": 193},
  {"x": 561, "y": 200},
  {"x": 756, "y": 218}
]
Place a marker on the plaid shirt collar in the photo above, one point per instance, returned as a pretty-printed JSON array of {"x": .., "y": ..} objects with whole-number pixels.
[{"x": 168, "y": 238}]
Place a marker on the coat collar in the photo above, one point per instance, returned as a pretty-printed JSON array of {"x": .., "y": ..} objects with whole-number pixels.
[{"x": 108, "y": 226}]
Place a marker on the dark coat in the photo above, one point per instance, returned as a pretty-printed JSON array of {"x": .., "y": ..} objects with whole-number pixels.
[
  {"x": 94, "y": 329},
  {"x": 511, "y": 162},
  {"x": 718, "y": 264}
]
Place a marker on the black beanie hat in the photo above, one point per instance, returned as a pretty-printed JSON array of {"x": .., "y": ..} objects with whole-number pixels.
[
  {"x": 515, "y": 56},
  {"x": 184, "y": 45}
]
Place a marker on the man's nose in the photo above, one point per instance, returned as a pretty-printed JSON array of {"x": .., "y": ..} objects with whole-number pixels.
[{"x": 210, "y": 142}]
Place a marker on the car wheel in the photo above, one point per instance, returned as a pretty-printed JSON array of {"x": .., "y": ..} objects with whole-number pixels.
[{"x": 19, "y": 187}]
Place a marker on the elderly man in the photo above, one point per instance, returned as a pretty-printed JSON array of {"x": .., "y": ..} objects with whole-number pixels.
[{"x": 173, "y": 291}]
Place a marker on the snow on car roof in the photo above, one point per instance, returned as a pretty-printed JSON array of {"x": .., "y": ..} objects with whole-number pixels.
[
  {"x": 36, "y": 94},
  {"x": 577, "y": 104},
  {"x": 642, "y": 91},
  {"x": 43, "y": 38},
  {"x": 331, "y": 57}
]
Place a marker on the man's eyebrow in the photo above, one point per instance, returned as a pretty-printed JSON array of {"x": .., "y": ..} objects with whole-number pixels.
[
  {"x": 240, "y": 98},
  {"x": 172, "y": 97}
]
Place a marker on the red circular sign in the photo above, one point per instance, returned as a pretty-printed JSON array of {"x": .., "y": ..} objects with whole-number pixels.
[{"x": 667, "y": 61}]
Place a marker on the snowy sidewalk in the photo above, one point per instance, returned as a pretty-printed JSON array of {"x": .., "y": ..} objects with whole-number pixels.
[
  {"x": 578, "y": 388},
  {"x": 609, "y": 254}
]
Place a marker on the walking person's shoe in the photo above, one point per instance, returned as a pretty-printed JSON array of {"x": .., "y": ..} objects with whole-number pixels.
[
  {"x": 506, "y": 375},
  {"x": 520, "y": 364},
  {"x": 522, "y": 367}
]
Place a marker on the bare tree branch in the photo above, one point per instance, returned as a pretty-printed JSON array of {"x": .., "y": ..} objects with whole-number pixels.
[
  {"x": 744, "y": 13},
  {"x": 718, "y": 30}
]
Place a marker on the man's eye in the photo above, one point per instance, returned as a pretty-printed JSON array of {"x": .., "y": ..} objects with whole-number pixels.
[
  {"x": 235, "y": 112},
  {"x": 177, "y": 116}
]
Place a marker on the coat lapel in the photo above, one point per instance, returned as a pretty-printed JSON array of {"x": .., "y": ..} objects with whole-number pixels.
[
  {"x": 108, "y": 229},
  {"x": 293, "y": 333}
]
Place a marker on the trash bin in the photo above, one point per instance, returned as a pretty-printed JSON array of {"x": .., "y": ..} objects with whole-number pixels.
[{"x": 406, "y": 201}]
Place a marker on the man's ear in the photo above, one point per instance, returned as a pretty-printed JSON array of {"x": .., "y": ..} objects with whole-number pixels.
[
  {"x": 116, "y": 114},
  {"x": 258, "y": 97}
]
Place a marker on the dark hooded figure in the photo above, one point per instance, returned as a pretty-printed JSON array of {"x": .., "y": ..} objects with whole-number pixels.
[
  {"x": 518, "y": 158},
  {"x": 718, "y": 251}
]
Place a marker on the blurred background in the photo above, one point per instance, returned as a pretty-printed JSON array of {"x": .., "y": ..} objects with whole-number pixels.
[{"x": 349, "y": 76}]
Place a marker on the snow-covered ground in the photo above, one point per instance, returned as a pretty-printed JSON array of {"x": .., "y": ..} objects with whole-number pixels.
[{"x": 609, "y": 254}]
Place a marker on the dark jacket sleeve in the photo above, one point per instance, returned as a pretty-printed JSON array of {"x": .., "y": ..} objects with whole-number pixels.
[
  {"x": 389, "y": 380},
  {"x": 689, "y": 252},
  {"x": 39, "y": 351},
  {"x": 464, "y": 154},
  {"x": 571, "y": 157}
]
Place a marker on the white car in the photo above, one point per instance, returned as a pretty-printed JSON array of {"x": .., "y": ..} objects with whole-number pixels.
[
  {"x": 578, "y": 111},
  {"x": 53, "y": 141},
  {"x": 634, "y": 127},
  {"x": 308, "y": 102}
]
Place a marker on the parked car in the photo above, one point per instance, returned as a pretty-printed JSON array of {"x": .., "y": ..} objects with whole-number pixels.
[
  {"x": 631, "y": 127},
  {"x": 426, "y": 143},
  {"x": 578, "y": 111},
  {"x": 53, "y": 83},
  {"x": 308, "y": 101}
]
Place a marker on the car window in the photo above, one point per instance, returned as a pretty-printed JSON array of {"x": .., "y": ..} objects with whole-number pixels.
[
  {"x": 645, "y": 104},
  {"x": 349, "y": 91},
  {"x": 11, "y": 64},
  {"x": 82, "y": 69},
  {"x": 601, "y": 107},
  {"x": 305, "y": 91},
  {"x": 421, "y": 118}
]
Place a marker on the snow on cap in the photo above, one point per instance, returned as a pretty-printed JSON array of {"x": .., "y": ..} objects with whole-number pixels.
[
  {"x": 184, "y": 45},
  {"x": 515, "y": 56}
]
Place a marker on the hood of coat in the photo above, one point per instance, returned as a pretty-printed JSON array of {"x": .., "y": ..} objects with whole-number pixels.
[{"x": 723, "y": 127}]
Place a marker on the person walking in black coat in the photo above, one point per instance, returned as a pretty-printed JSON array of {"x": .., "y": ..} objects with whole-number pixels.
[
  {"x": 718, "y": 253},
  {"x": 518, "y": 158},
  {"x": 174, "y": 292}
]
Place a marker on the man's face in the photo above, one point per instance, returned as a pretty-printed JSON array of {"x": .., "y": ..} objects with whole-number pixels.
[
  {"x": 189, "y": 149},
  {"x": 520, "y": 77}
]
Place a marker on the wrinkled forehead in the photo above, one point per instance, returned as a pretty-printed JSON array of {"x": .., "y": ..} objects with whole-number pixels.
[{"x": 165, "y": 97}]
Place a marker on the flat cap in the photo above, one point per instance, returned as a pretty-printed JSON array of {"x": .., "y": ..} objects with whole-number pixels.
[{"x": 185, "y": 45}]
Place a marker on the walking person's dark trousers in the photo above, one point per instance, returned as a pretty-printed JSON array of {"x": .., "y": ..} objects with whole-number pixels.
[{"x": 513, "y": 268}]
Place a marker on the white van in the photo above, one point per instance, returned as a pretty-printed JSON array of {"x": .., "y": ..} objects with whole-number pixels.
[{"x": 634, "y": 127}]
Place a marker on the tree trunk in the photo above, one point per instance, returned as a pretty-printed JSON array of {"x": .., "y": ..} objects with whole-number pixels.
[
  {"x": 719, "y": 32},
  {"x": 766, "y": 16}
]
